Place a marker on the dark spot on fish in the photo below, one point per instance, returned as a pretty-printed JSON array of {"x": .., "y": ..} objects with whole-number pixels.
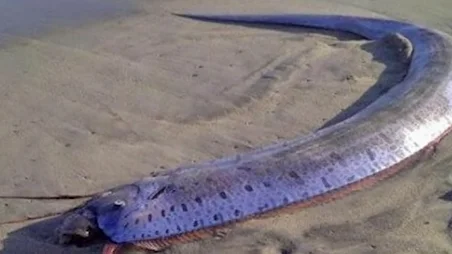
[
  {"x": 223, "y": 195},
  {"x": 157, "y": 232},
  {"x": 326, "y": 183},
  {"x": 330, "y": 170},
  {"x": 267, "y": 184},
  {"x": 237, "y": 213},
  {"x": 163, "y": 213},
  {"x": 134, "y": 236},
  {"x": 261, "y": 208},
  {"x": 215, "y": 217},
  {"x": 126, "y": 225},
  {"x": 248, "y": 188},
  {"x": 371, "y": 154},
  {"x": 294, "y": 175},
  {"x": 338, "y": 158},
  {"x": 179, "y": 229},
  {"x": 142, "y": 236},
  {"x": 137, "y": 221},
  {"x": 419, "y": 118},
  {"x": 198, "y": 200},
  {"x": 171, "y": 208},
  {"x": 210, "y": 180},
  {"x": 195, "y": 223},
  {"x": 196, "y": 183},
  {"x": 350, "y": 178},
  {"x": 285, "y": 200},
  {"x": 385, "y": 138},
  {"x": 335, "y": 156},
  {"x": 184, "y": 207},
  {"x": 244, "y": 168},
  {"x": 149, "y": 217},
  {"x": 167, "y": 231}
]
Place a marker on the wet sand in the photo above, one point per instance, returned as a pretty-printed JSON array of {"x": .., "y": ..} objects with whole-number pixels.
[{"x": 89, "y": 105}]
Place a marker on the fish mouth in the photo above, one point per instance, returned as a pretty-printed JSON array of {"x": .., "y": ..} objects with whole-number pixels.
[{"x": 80, "y": 230}]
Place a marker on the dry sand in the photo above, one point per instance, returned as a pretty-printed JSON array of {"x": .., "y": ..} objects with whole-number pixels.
[{"x": 88, "y": 108}]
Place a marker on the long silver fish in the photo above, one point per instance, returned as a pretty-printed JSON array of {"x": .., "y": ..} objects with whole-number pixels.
[{"x": 193, "y": 202}]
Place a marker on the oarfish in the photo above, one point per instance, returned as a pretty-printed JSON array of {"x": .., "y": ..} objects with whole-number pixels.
[{"x": 193, "y": 202}]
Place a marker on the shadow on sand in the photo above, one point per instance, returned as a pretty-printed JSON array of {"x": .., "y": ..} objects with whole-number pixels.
[{"x": 38, "y": 238}]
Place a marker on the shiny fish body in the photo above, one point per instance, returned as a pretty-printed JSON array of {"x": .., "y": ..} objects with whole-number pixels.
[{"x": 411, "y": 116}]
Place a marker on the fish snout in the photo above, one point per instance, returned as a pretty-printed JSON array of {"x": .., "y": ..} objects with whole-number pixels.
[{"x": 79, "y": 229}]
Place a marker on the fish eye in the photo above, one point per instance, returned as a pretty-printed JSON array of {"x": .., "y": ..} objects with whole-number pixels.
[
  {"x": 119, "y": 202},
  {"x": 86, "y": 233}
]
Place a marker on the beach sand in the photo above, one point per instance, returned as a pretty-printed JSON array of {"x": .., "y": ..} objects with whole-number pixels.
[{"x": 104, "y": 103}]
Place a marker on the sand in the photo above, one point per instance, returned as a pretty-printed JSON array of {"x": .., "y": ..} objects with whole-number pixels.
[{"x": 108, "y": 101}]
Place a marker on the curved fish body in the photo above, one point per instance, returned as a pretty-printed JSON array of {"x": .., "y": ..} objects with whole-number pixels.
[{"x": 191, "y": 202}]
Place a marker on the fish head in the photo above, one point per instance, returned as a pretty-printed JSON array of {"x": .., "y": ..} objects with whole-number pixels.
[{"x": 80, "y": 225}]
